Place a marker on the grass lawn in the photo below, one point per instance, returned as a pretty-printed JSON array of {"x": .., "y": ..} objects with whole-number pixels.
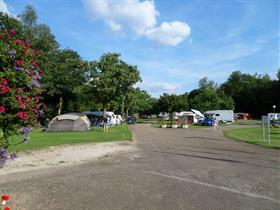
[
  {"x": 40, "y": 139},
  {"x": 247, "y": 122},
  {"x": 254, "y": 136}
]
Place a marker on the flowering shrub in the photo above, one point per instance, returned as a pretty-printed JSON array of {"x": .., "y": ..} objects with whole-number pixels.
[
  {"x": 19, "y": 87},
  {"x": 5, "y": 199}
]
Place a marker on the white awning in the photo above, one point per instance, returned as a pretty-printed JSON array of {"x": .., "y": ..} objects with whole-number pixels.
[{"x": 197, "y": 112}]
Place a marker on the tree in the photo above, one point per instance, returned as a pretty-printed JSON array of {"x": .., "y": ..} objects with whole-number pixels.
[
  {"x": 40, "y": 35},
  {"x": 66, "y": 73},
  {"x": 255, "y": 94},
  {"x": 209, "y": 97},
  {"x": 111, "y": 78},
  {"x": 137, "y": 100},
  {"x": 171, "y": 103}
]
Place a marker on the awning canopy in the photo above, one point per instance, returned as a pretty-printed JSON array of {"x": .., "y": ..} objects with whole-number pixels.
[{"x": 197, "y": 112}]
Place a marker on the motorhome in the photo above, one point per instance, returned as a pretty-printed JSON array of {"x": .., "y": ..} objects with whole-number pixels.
[
  {"x": 273, "y": 116},
  {"x": 223, "y": 116}
]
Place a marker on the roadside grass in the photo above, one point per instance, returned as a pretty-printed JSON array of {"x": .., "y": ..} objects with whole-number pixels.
[
  {"x": 40, "y": 139},
  {"x": 254, "y": 136},
  {"x": 247, "y": 122},
  {"x": 147, "y": 120}
]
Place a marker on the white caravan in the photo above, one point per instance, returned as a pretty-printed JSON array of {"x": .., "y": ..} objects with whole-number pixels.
[
  {"x": 196, "y": 115},
  {"x": 222, "y": 115}
]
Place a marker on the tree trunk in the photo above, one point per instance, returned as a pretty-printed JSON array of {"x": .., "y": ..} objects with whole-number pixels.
[
  {"x": 60, "y": 105},
  {"x": 122, "y": 111},
  {"x": 127, "y": 112}
]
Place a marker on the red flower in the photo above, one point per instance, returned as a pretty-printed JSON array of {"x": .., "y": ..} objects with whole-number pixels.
[
  {"x": 36, "y": 111},
  {"x": 5, "y": 197},
  {"x": 7, "y": 208},
  {"x": 2, "y": 109},
  {"x": 4, "y": 81},
  {"x": 25, "y": 116},
  {"x": 36, "y": 98},
  {"x": 12, "y": 32},
  {"x": 19, "y": 62},
  {"x": 18, "y": 98},
  {"x": 20, "y": 114},
  {"x": 22, "y": 104},
  {"x": 1, "y": 36},
  {"x": 18, "y": 42},
  {"x": 27, "y": 44},
  {"x": 5, "y": 89},
  {"x": 34, "y": 63},
  {"x": 27, "y": 99}
]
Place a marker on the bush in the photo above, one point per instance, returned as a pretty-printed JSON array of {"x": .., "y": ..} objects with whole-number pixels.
[{"x": 19, "y": 87}]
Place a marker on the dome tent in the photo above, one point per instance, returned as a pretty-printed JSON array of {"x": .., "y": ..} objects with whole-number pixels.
[{"x": 69, "y": 122}]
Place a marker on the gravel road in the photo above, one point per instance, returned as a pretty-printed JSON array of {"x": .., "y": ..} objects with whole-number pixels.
[{"x": 195, "y": 168}]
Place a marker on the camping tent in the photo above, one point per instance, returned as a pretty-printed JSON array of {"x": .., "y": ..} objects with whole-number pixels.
[{"x": 69, "y": 122}]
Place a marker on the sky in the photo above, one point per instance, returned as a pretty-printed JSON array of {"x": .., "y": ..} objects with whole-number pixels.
[{"x": 174, "y": 43}]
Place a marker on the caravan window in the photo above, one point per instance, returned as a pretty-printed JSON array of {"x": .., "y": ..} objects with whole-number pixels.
[{"x": 217, "y": 115}]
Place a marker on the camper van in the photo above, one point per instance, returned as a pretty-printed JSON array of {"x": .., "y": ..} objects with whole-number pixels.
[
  {"x": 273, "y": 116},
  {"x": 223, "y": 116}
]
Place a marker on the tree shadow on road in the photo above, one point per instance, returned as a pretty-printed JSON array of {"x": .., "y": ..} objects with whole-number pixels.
[
  {"x": 218, "y": 159},
  {"x": 204, "y": 138}
]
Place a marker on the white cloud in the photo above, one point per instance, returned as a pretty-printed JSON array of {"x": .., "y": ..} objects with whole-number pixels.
[
  {"x": 139, "y": 17},
  {"x": 131, "y": 14},
  {"x": 4, "y": 7},
  {"x": 157, "y": 88},
  {"x": 169, "y": 33}
]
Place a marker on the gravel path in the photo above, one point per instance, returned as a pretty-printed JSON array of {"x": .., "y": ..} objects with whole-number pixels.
[{"x": 168, "y": 169}]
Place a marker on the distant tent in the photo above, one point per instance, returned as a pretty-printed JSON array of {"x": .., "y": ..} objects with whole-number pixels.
[{"x": 69, "y": 122}]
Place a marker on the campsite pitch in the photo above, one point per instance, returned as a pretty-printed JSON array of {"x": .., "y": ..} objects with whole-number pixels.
[{"x": 40, "y": 139}]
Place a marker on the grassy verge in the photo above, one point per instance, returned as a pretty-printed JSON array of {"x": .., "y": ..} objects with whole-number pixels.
[
  {"x": 254, "y": 136},
  {"x": 247, "y": 122},
  {"x": 40, "y": 139}
]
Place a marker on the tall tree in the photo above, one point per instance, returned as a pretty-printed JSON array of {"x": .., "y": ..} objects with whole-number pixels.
[
  {"x": 39, "y": 35},
  {"x": 209, "y": 97},
  {"x": 255, "y": 94},
  {"x": 137, "y": 100},
  {"x": 66, "y": 73},
  {"x": 111, "y": 78},
  {"x": 171, "y": 103}
]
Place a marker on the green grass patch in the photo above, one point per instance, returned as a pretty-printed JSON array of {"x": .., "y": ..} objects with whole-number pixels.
[
  {"x": 254, "y": 136},
  {"x": 40, "y": 139},
  {"x": 247, "y": 122}
]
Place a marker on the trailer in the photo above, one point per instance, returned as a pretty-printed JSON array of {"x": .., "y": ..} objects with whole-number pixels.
[{"x": 223, "y": 116}]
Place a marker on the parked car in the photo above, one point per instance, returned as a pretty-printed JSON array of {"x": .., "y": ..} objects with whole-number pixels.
[
  {"x": 207, "y": 121},
  {"x": 131, "y": 120}
]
